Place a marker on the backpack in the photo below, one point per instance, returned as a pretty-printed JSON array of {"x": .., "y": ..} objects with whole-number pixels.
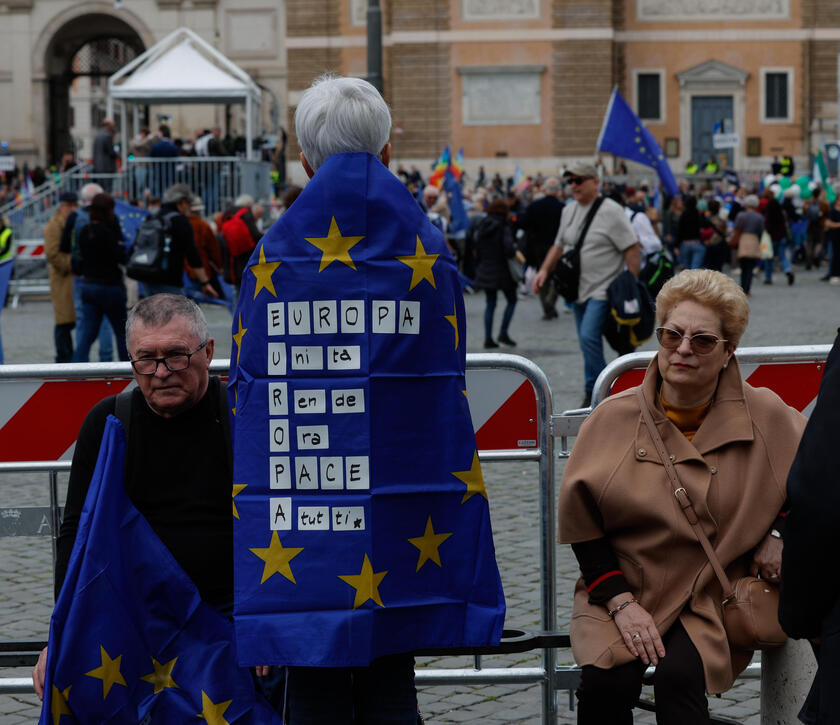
[
  {"x": 658, "y": 269},
  {"x": 632, "y": 313},
  {"x": 237, "y": 235},
  {"x": 151, "y": 255}
]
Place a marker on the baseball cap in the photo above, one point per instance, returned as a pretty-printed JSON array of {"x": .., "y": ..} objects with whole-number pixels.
[
  {"x": 585, "y": 170},
  {"x": 68, "y": 196}
]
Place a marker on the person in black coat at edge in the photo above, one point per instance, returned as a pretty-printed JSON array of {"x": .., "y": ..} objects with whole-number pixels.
[
  {"x": 810, "y": 590},
  {"x": 494, "y": 246}
]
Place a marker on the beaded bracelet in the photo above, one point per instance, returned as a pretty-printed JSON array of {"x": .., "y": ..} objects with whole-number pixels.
[{"x": 621, "y": 607}]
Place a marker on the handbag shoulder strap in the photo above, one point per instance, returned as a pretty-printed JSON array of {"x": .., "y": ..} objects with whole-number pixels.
[
  {"x": 587, "y": 222},
  {"x": 682, "y": 497}
]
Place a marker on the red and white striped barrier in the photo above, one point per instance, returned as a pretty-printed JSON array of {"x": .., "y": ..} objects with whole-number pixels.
[
  {"x": 797, "y": 383},
  {"x": 30, "y": 249},
  {"x": 40, "y": 417}
]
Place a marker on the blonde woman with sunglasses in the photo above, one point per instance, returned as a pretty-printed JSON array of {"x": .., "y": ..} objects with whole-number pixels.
[{"x": 647, "y": 594}]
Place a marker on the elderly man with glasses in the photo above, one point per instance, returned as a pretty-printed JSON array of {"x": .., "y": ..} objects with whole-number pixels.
[
  {"x": 178, "y": 456},
  {"x": 609, "y": 243}
]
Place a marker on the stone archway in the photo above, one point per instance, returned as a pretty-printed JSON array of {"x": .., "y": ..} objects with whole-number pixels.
[{"x": 91, "y": 45}]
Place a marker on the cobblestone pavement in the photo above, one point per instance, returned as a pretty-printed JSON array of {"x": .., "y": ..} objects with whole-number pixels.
[{"x": 806, "y": 313}]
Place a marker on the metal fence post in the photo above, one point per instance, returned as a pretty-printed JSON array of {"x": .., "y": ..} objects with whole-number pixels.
[{"x": 786, "y": 676}]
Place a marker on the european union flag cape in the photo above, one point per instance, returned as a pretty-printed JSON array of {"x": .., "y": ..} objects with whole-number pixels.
[
  {"x": 130, "y": 639},
  {"x": 363, "y": 525}
]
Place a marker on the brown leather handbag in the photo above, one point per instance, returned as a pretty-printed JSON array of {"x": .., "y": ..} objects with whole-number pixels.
[{"x": 750, "y": 606}]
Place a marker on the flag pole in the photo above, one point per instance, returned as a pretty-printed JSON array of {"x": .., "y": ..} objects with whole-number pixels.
[{"x": 606, "y": 116}]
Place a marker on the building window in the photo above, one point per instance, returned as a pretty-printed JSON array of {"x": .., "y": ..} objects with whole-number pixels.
[
  {"x": 649, "y": 95},
  {"x": 776, "y": 91}
]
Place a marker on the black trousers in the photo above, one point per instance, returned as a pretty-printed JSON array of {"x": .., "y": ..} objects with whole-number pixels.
[{"x": 607, "y": 697}]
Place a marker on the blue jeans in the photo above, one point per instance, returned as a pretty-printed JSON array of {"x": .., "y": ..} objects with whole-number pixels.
[
  {"x": 106, "y": 333},
  {"x": 781, "y": 248},
  {"x": 98, "y": 301},
  {"x": 692, "y": 253},
  {"x": 590, "y": 317},
  {"x": 490, "y": 311},
  {"x": 381, "y": 694}
]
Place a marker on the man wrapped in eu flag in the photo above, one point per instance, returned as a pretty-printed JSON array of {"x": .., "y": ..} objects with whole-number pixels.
[{"x": 363, "y": 529}]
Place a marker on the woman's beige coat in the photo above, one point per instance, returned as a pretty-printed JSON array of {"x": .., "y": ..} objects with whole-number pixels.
[
  {"x": 614, "y": 485},
  {"x": 61, "y": 276}
]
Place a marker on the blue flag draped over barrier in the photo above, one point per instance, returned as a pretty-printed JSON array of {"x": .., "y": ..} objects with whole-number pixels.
[
  {"x": 130, "y": 639},
  {"x": 624, "y": 134},
  {"x": 363, "y": 526}
]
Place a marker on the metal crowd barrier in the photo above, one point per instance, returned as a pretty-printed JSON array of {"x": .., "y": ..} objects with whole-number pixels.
[
  {"x": 549, "y": 425},
  {"x": 39, "y": 520},
  {"x": 218, "y": 180}
]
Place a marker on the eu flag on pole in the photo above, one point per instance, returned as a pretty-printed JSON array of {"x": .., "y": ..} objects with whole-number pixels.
[
  {"x": 623, "y": 134},
  {"x": 130, "y": 639},
  {"x": 363, "y": 525}
]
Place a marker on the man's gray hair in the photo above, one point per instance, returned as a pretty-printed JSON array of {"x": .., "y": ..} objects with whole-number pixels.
[
  {"x": 552, "y": 185},
  {"x": 158, "y": 310},
  {"x": 340, "y": 115},
  {"x": 176, "y": 193},
  {"x": 88, "y": 191}
]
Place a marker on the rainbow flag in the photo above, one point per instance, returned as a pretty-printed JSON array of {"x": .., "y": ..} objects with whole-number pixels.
[
  {"x": 520, "y": 181},
  {"x": 441, "y": 166},
  {"x": 457, "y": 165}
]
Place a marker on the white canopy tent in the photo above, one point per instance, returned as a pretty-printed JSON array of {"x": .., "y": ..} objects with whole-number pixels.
[{"x": 183, "y": 68}]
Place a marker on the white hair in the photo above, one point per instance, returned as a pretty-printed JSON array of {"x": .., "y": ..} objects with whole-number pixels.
[
  {"x": 244, "y": 200},
  {"x": 340, "y": 115},
  {"x": 88, "y": 191}
]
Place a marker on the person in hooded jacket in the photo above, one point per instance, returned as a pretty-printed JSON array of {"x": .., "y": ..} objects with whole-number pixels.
[{"x": 494, "y": 246}]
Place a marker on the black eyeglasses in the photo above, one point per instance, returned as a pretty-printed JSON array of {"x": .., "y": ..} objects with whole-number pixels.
[
  {"x": 701, "y": 344},
  {"x": 577, "y": 180},
  {"x": 173, "y": 363}
]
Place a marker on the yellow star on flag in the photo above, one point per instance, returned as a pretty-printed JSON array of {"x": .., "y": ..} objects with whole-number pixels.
[
  {"x": 421, "y": 266},
  {"x": 263, "y": 272},
  {"x": 108, "y": 672},
  {"x": 453, "y": 320},
  {"x": 235, "y": 399},
  {"x": 366, "y": 584},
  {"x": 58, "y": 704},
  {"x": 161, "y": 678},
  {"x": 428, "y": 545},
  {"x": 211, "y": 712},
  {"x": 277, "y": 559},
  {"x": 334, "y": 247},
  {"x": 237, "y": 338},
  {"x": 237, "y": 489},
  {"x": 473, "y": 480}
]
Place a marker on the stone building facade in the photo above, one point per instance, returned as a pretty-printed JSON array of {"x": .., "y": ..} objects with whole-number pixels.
[
  {"x": 511, "y": 81},
  {"x": 527, "y": 81},
  {"x": 53, "y": 68}
]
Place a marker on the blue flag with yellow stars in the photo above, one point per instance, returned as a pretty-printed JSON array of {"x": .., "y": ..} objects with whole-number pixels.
[
  {"x": 624, "y": 134},
  {"x": 130, "y": 218},
  {"x": 130, "y": 639},
  {"x": 362, "y": 525}
]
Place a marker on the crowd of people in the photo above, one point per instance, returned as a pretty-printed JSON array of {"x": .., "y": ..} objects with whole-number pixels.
[
  {"x": 88, "y": 257},
  {"x": 693, "y": 438}
]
